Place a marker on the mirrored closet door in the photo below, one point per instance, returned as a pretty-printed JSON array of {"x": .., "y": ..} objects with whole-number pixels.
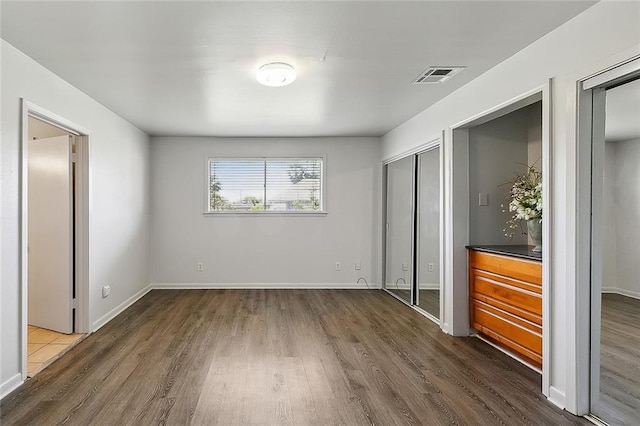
[
  {"x": 399, "y": 259},
  {"x": 615, "y": 302},
  {"x": 428, "y": 232},
  {"x": 412, "y": 267}
]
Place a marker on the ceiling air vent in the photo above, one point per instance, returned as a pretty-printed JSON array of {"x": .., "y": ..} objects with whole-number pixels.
[{"x": 436, "y": 75}]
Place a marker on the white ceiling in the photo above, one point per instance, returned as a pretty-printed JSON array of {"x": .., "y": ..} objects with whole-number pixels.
[
  {"x": 188, "y": 68},
  {"x": 623, "y": 112}
]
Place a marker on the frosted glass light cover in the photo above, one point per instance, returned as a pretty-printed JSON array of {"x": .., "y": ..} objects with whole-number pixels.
[{"x": 276, "y": 74}]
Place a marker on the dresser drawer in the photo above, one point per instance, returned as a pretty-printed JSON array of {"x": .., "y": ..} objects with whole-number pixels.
[
  {"x": 517, "y": 334},
  {"x": 506, "y": 302},
  {"x": 525, "y": 270},
  {"x": 517, "y": 297}
]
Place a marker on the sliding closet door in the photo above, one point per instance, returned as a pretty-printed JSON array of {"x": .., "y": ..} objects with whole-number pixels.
[
  {"x": 399, "y": 237},
  {"x": 428, "y": 232},
  {"x": 615, "y": 305}
]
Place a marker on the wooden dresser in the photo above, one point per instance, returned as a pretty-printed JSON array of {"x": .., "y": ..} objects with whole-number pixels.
[{"x": 506, "y": 301}]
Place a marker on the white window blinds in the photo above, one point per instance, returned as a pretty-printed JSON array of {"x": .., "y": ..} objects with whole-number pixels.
[{"x": 265, "y": 185}]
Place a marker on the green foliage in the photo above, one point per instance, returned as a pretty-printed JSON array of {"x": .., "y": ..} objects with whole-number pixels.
[
  {"x": 254, "y": 201},
  {"x": 217, "y": 201},
  {"x": 312, "y": 203},
  {"x": 315, "y": 203},
  {"x": 298, "y": 173}
]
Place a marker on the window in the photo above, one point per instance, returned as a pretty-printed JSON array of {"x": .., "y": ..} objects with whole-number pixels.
[{"x": 261, "y": 185}]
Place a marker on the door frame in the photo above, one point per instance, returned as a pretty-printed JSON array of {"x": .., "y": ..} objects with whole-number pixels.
[
  {"x": 590, "y": 156},
  {"x": 456, "y": 205},
  {"x": 81, "y": 224}
]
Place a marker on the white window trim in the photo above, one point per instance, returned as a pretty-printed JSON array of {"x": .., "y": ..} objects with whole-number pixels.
[{"x": 266, "y": 213}]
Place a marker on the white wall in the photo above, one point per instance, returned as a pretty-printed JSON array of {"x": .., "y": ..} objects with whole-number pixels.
[
  {"x": 602, "y": 36},
  {"x": 497, "y": 151},
  {"x": 622, "y": 204},
  {"x": 119, "y": 250},
  {"x": 256, "y": 250}
]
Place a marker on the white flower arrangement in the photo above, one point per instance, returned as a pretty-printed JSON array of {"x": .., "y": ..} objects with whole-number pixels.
[{"x": 525, "y": 200}]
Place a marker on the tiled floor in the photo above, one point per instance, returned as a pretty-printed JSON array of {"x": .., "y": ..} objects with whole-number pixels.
[{"x": 44, "y": 346}]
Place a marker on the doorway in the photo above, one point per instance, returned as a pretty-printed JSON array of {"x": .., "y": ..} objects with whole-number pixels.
[
  {"x": 413, "y": 237},
  {"x": 470, "y": 216},
  {"x": 615, "y": 288},
  {"x": 54, "y": 236}
]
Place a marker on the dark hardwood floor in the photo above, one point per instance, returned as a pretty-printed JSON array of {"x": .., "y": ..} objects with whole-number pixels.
[
  {"x": 619, "y": 361},
  {"x": 295, "y": 357}
]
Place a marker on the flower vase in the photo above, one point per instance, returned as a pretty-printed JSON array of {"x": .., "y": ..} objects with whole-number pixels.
[{"x": 534, "y": 229}]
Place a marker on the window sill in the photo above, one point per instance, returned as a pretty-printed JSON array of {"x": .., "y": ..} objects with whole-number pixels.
[{"x": 263, "y": 213}]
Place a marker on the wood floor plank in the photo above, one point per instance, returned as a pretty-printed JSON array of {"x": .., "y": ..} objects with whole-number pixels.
[{"x": 285, "y": 357}]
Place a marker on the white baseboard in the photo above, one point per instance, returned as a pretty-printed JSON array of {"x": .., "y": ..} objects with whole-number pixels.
[
  {"x": 429, "y": 286},
  {"x": 258, "y": 286},
  {"x": 97, "y": 324},
  {"x": 10, "y": 385},
  {"x": 557, "y": 397},
  {"x": 621, "y": 291},
  {"x": 445, "y": 328},
  {"x": 402, "y": 286},
  {"x": 399, "y": 286}
]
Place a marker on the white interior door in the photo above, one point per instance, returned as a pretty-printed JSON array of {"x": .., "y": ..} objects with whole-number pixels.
[{"x": 50, "y": 230}]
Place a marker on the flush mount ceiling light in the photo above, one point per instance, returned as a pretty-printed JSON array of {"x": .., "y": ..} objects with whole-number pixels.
[{"x": 276, "y": 74}]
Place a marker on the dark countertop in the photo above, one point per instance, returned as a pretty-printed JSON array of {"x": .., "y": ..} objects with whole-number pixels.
[{"x": 520, "y": 251}]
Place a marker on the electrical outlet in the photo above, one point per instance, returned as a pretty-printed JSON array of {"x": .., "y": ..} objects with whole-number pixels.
[
  {"x": 483, "y": 199},
  {"x": 358, "y": 267},
  {"x": 200, "y": 266},
  {"x": 106, "y": 290},
  {"x": 338, "y": 266},
  {"x": 405, "y": 266},
  {"x": 430, "y": 267}
]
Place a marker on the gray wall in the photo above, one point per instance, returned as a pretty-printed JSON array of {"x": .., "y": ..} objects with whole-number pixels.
[
  {"x": 498, "y": 150},
  {"x": 275, "y": 250},
  {"x": 119, "y": 231},
  {"x": 621, "y": 216},
  {"x": 534, "y": 135},
  {"x": 565, "y": 55}
]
